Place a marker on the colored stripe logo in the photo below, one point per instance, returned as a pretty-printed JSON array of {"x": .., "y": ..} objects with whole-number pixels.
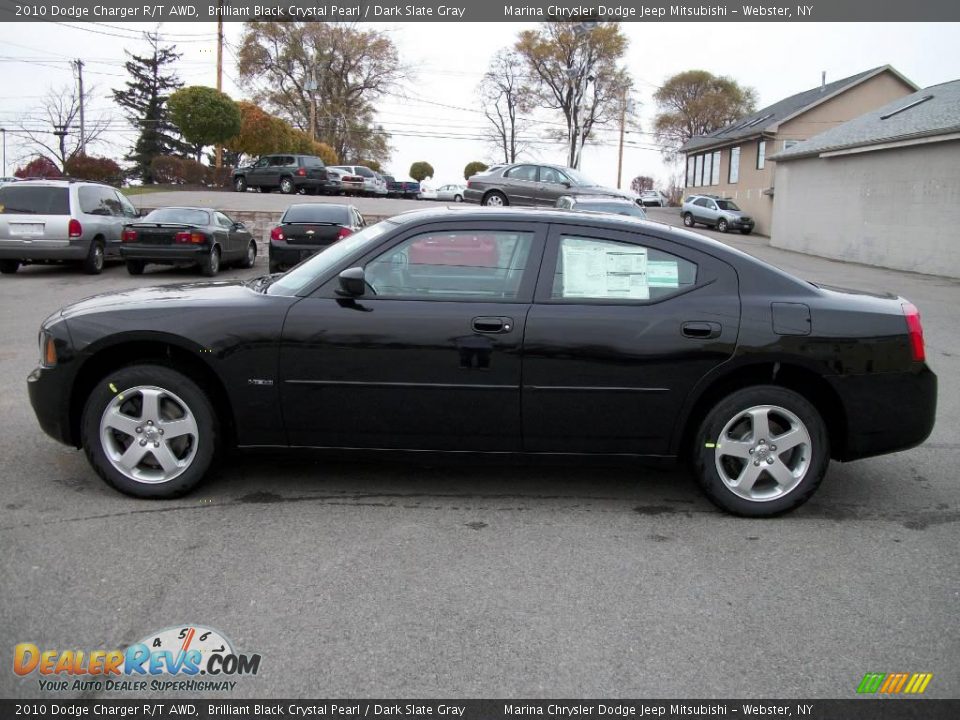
[{"x": 894, "y": 683}]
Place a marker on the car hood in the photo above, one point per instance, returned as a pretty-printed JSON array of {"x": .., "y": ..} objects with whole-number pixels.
[
  {"x": 163, "y": 297},
  {"x": 600, "y": 190}
]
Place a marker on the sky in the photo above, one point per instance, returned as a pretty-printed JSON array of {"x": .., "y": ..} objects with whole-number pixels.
[{"x": 435, "y": 114}]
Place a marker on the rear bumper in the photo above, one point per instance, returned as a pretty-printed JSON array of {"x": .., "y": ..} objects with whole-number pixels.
[
  {"x": 164, "y": 254},
  {"x": 43, "y": 249},
  {"x": 290, "y": 255},
  {"x": 886, "y": 412},
  {"x": 474, "y": 196}
]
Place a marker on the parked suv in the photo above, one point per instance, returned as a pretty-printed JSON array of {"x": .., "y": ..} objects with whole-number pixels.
[
  {"x": 287, "y": 172},
  {"x": 716, "y": 212},
  {"x": 43, "y": 221}
]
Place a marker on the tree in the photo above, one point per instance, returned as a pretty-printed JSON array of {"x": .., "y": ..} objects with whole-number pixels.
[
  {"x": 697, "y": 102},
  {"x": 260, "y": 133},
  {"x": 641, "y": 183},
  {"x": 576, "y": 71},
  {"x": 95, "y": 169},
  {"x": 350, "y": 68},
  {"x": 58, "y": 134},
  {"x": 421, "y": 170},
  {"x": 204, "y": 116},
  {"x": 472, "y": 168},
  {"x": 145, "y": 102},
  {"x": 40, "y": 167},
  {"x": 505, "y": 94}
]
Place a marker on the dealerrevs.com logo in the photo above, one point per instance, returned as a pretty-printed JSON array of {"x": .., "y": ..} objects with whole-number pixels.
[{"x": 188, "y": 658}]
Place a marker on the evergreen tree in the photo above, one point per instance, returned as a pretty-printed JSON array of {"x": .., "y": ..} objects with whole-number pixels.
[{"x": 145, "y": 100}]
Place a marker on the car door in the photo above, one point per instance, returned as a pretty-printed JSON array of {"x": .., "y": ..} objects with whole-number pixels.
[
  {"x": 520, "y": 184},
  {"x": 235, "y": 244},
  {"x": 622, "y": 327},
  {"x": 126, "y": 213},
  {"x": 552, "y": 186},
  {"x": 427, "y": 359}
]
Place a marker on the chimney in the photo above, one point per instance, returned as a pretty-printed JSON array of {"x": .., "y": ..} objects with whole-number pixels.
[{"x": 823, "y": 80}]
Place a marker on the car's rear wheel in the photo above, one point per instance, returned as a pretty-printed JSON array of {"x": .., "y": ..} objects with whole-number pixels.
[
  {"x": 9, "y": 267},
  {"x": 495, "y": 199},
  {"x": 210, "y": 265},
  {"x": 722, "y": 225},
  {"x": 93, "y": 265},
  {"x": 287, "y": 187},
  {"x": 135, "y": 267},
  {"x": 240, "y": 184},
  {"x": 251, "y": 257},
  {"x": 761, "y": 451},
  {"x": 688, "y": 220},
  {"x": 149, "y": 431},
  {"x": 458, "y": 198}
]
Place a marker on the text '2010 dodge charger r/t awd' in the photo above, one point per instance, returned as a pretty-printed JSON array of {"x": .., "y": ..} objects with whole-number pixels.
[{"x": 496, "y": 331}]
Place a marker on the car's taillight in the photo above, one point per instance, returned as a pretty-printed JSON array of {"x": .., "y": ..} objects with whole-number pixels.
[
  {"x": 915, "y": 329},
  {"x": 469, "y": 184},
  {"x": 277, "y": 234},
  {"x": 302, "y": 172},
  {"x": 189, "y": 238},
  {"x": 344, "y": 232},
  {"x": 74, "y": 229},
  {"x": 129, "y": 236}
]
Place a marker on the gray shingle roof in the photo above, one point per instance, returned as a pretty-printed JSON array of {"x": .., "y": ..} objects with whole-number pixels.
[
  {"x": 932, "y": 111},
  {"x": 772, "y": 115}
]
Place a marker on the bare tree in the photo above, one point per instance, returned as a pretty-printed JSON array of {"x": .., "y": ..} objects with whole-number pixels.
[
  {"x": 60, "y": 110},
  {"x": 505, "y": 95}
]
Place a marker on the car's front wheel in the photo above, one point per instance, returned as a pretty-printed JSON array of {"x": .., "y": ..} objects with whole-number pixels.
[
  {"x": 722, "y": 225},
  {"x": 9, "y": 267},
  {"x": 251, "y": 257},
  {"x": 240, "y": 184},
  {"x": 761, "y": 451},
  {"x": 149, "y": 431},
  {"x": 688, "y": 220},
  {"x": 458, "y": 198},
  {"x": 287, "y": 187}
]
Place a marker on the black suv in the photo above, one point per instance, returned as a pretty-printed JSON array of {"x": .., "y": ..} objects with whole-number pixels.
[{"x": 288, "y": 172}]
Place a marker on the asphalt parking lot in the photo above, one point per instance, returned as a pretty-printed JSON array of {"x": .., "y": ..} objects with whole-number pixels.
[{"x": 361, "y": 579}]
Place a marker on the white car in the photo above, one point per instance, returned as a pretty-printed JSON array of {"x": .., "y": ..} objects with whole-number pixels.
[
  {"x": 653, "y": 197},
  {"x": 451, "y": 193},
  {"x": 371, "y": 186},
  {"x": 427, "y": 192}
]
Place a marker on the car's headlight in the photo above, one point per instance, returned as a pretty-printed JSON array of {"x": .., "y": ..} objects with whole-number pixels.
[{"x": 48, "y": 350}]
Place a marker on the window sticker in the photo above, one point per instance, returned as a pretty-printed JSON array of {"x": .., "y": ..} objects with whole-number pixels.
[
  {"x": 604, "y": 270},
  {"x": 663, "y": 273}
]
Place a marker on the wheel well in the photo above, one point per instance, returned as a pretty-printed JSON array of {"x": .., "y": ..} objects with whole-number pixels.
[
  {"x": 793, "y": 377},
  {"x": 488, "y": 193},
  {"x": 154, "y": 352}
]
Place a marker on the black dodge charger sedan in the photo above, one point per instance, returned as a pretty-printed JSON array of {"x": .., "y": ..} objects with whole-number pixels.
[{"x": 496, "y": 331}]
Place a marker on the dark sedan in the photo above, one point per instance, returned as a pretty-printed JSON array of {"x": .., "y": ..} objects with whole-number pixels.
[
  {"x": 496, "y": 331},
  {"x": 187, "y": 236},
  {"x": 531, "y": 184},
  {"x": 307, "y": 228}
]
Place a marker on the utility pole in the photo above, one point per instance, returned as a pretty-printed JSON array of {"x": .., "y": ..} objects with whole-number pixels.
[
  {"x": 311, "y": 87},
  {"x": 219, "y": 159},
  {"x": 61, "y": 132},
  {"x": 623, "y": 128},
  {"x": 83, "y": 135},
  {"x": 4, "y": 131}
]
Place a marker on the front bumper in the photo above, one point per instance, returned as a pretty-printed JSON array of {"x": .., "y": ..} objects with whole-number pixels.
[
  {"x": 886, "y": 412},
  {"x": 165, "y": 254},
  {"x": 48, "y": 389}
]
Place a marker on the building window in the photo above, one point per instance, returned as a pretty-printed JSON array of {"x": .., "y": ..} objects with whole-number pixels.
[
  {"x": 715, "y": 177},
  {"x": 706, "y": 170},
  {"x": 734, "y": 165},
  {"x": 698, "y": 172},
  {"x": 787, "y": 144},
  {"x": 691, "y": 161},
  {"x": 761, "y": 154}
]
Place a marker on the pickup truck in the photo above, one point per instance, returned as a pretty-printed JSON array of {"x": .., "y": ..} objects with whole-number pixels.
[{"x": 402, "y": 188}]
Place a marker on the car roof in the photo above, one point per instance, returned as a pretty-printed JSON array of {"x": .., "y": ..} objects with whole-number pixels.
[{"x": 185, "y": 207}]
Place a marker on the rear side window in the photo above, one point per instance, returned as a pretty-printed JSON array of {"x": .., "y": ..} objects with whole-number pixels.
[
  {"x": 365, "y": 172},
  {"x": 24, "y": 199},
  {"x": 317, "y": 213},
  {"x": 523, "y": 172},
  {"x": 99, "y": 201},
  {"x": 310, "y": 161},
  {"x": 593, "y": 269}
]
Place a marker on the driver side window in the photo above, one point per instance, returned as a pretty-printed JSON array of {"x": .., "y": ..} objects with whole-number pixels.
[{"x": 480, "y": 264}]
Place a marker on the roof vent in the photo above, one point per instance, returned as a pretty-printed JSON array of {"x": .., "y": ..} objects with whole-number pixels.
[
  {"x": 823, "y": 80},
  {"x": 906, "y": 107}
]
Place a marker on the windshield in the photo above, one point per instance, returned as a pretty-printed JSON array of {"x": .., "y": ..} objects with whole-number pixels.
[
  {"x": 727, "y": 205},
  {"x": 180, "y": 216},
  {"x": 579, "y": 178},
  {"x": 307, "y": 272}
]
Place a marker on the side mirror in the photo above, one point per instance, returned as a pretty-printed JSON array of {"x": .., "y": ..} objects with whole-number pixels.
[
  {"x": 566, "y": 183},
  {"x": 352, "y": 282},
  {"x": 239, "y": 226}
]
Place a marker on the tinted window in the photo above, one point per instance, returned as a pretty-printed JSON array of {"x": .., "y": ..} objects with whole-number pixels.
[
  {"x": 223, "y": 220},
  {"x": 522, "y": 172},
  {"x": 317, "y": 213},
  {"x": 483, "y": 264},
  {"x": 702, "y": 202},
  {"x": 612, "y": 207},
  {"x": 592, "y": 269},
  {"x": 126, "y": 207},
  {"x": 182, "y": 216},
  {"x": 23, "y": 198},
  {"x": 99, "y": 201},
  {"x": 365, "y": 172},
  {"x": 552, "y": 175},
  {"x": 727, "y": 205}
]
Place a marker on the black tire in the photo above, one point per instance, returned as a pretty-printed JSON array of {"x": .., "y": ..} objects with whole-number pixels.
[
  {"x": 210, "y": 265},
  {"x": 458, "y": 198},
  {"x": 722, "y": 225},
  {"x": 9, "y": 267},
  {"x": 287, "y": 187},
  {"x": 706, "y": 451},
  {"x": 495, "y": 198},
  {"x": 688, "y": 220},
  {"x": 172, "y": 381},
  {"x": 135, "y": 267},
  {"x": 93, "y": 264},
  {"x": 251, "y": 257},
  {"x": 745, "y": 231},
  {"x": 240, "y": 184}
]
